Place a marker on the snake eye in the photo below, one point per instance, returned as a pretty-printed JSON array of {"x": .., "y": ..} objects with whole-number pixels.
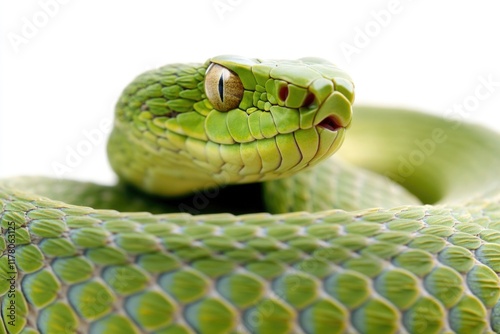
[{"x": 223, "y": 87}]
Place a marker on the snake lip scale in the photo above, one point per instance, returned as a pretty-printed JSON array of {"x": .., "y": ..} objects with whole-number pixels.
[{"x": 339, "y": 249}]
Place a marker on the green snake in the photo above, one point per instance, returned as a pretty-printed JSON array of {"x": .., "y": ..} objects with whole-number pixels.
[{"x": 313, "y": 243}]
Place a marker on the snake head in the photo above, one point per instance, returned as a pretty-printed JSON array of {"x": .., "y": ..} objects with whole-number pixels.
[
  {"x": 186, "y": 127},
  {"x": 290, "y": 114}
]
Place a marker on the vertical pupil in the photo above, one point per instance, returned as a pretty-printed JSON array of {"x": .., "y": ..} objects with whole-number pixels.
[{"x": 221, "y": 87}]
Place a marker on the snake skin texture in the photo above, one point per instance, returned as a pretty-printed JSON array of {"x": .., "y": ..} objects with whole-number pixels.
[{"x": 410, "y": 269}]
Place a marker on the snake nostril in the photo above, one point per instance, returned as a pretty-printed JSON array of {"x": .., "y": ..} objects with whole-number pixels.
[
  {"x": 309, "y": 100},
  {"x": 283, "y": 93}
]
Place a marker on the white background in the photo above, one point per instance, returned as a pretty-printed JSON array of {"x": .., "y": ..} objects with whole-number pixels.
[{"x": 64, "y": 78}]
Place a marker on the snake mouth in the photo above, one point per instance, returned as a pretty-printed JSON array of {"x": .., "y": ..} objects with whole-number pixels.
[
  {"x": 334, "y": 114},
  {"x": 330, "y": 123}
]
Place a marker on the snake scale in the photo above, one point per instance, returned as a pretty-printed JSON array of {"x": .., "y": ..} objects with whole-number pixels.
[{"x": 341, "y": 248}]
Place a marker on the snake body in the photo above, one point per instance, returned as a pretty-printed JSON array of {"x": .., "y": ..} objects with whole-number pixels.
[{"x": 344, "y": 251}]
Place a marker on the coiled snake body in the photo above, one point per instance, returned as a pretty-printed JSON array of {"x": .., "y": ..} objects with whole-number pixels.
[{"x": 344, "y": 250}]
